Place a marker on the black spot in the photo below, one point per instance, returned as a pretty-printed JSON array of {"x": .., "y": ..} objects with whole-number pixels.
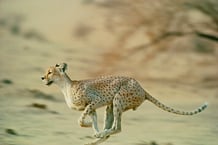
[{"x": 199, "y": 110}]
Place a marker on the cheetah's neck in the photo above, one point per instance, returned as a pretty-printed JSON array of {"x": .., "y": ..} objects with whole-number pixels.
[
  {"x": 65, "y": 85},
  {"x": 64, "y": 81}
]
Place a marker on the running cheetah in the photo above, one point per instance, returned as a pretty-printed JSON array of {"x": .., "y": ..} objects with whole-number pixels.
[{"x": 117, "y": 93}]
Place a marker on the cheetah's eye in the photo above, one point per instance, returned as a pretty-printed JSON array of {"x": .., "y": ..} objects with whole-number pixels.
[
  {"x": 57, "y": 65},
  {"x": 49, "y": 72}
]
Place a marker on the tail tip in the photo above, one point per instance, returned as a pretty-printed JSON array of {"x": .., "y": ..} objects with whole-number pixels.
[{"x": 205, "y": 105}]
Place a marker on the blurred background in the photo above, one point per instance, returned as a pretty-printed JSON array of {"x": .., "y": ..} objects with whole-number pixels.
[{"x": 169, "y": 46}]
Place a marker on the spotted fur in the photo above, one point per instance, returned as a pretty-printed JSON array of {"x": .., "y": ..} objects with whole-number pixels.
[
  {"x": 117, "y": 93},
  {"x": 172, "y": 110}
]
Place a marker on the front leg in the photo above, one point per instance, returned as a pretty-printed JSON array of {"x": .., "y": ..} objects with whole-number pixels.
[
  {"x": 84, "y": 123},
  {"x": 93, "y": 116},
  {"x": 97, "y": 141},
  {"x": 109, "y": 117},
  {"x": 90, "y": 110},
  {"x": 116, "y": 126}
]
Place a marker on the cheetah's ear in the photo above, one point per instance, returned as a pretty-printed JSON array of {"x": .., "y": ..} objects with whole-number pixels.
[{"x": 61, "y": 66}]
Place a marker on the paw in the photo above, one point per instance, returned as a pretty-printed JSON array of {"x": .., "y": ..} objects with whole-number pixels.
[
  {"x": 85, "y": 123},
  {"x": 102, "y": 134},
  {"x": 98, "y": 135},
  {"x": 91, "y": 143},
  {"x": 98, "y": 140}
]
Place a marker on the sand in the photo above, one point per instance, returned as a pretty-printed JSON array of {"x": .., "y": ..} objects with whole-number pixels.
[{"x": 37, "y": 34}]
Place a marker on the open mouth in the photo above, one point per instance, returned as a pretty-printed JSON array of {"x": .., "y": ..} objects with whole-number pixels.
[{"x": 49, "y": 83}]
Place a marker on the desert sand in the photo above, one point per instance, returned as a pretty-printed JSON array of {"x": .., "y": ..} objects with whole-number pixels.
[{"x": 169, "y": 47}]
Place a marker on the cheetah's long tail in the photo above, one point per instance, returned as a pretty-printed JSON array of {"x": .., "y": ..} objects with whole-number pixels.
[{"x": 171, "y": 110}]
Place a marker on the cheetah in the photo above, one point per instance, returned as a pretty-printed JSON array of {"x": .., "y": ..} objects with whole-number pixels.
[{"x": 117, "y": 93}]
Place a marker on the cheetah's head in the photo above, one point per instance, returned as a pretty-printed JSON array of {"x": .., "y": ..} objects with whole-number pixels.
[{"x": 54, "y": 73}]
